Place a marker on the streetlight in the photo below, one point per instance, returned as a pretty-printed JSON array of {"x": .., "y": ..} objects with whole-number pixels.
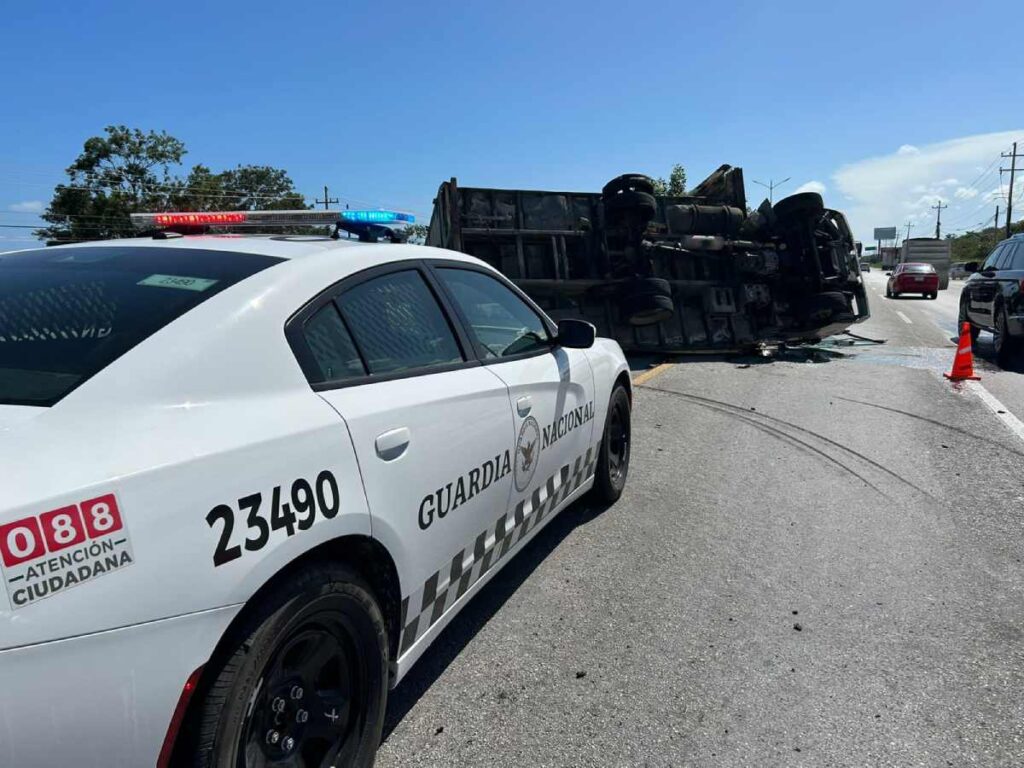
[{"x": 771, "y": 185}]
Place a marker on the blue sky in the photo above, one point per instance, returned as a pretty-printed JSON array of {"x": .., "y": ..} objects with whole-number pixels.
[{"x": 887, "y": 106}]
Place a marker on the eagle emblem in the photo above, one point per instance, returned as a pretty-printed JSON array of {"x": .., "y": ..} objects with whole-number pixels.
[{"x": 527, "y": 453}]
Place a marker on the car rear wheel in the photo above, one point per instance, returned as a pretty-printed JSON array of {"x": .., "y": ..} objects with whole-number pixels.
[
  {"x": 303, "y": 679},
  {"x": 614, "y": 451}
]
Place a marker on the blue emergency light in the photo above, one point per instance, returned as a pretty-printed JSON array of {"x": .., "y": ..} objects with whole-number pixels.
[{"x": 378, "y": 217}]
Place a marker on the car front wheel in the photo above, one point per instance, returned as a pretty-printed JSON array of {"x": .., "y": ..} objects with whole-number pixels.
[
  {"x": 613, "y": 453},
  {"x": 302, "y": 681},
  {"x": 1005, "y": 345}
]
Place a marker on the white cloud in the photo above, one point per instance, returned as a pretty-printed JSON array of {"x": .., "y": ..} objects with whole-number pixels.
[
  {"x": 902, "y": 186},
  {"x": 811, "y": 186},
  {"x": 28, "y": 206}
]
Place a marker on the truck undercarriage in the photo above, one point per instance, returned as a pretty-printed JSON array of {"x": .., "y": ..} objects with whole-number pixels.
[{"x": 698, "y": 272}]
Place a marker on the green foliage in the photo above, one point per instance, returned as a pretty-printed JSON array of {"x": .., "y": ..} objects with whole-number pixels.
[
  {"x": 416, "y": 233},
  {"x": 128, "y": 171},
  {"x": 676, "y": 184},
  {"x": 976, "y": 246}
]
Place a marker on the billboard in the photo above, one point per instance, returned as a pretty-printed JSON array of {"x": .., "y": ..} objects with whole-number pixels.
[{"x": 885, "y": 233}]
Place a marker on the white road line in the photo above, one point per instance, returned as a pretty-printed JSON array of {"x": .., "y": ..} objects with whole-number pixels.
[
  {"x": 1002, "y": 413},
  {"x": 904, "y": 318}
]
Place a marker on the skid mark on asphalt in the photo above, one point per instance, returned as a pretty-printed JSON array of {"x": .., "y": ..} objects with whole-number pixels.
[
  {"x": 936, "y": 422},
  {"x": 784, "y": 430}
]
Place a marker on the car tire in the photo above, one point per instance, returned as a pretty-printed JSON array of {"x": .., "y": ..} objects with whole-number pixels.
[
  {"x": 888, "y": 292},
  {"x": 647, "y": 301},
  {"x": 614, "y": 451},
  {"x": 961, "y": 319},
  {"x": 1005, "y": 345},
  {"x": 314, "y": 643}
]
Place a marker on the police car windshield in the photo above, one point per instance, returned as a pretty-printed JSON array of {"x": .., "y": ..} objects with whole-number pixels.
[{"x": 67, "y": 313}]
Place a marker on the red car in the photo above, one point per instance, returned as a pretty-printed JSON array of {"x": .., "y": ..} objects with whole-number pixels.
[{"x": 913, "y": 278}]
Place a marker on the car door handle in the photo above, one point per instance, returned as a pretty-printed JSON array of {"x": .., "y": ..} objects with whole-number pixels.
[
  {"x": 524, "y": 405},
  {"x": 392, "y": 444}
]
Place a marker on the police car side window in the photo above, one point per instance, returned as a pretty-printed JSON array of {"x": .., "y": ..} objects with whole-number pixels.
[
  {"x": 502, "y": 322},
  {"x": 397, "y": 324},
  {"x": 331, "y": 346}
]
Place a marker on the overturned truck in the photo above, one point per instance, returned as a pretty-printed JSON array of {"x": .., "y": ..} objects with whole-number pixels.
[{"x": 698, "y": 272}]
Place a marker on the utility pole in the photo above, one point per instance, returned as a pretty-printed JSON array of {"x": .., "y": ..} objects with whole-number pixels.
[
  {"x": 908, "y": 225},
  {"x": 1013, "y": 170},
  {"x": 996, "y": 227},
  {"x": 938, "y": 218},
  {"x": 771, "y": 186},
  {"x": 327, "y": 200}
]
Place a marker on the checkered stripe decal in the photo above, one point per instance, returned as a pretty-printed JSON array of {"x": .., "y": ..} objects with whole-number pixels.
[{"x": 428, "y": 603}]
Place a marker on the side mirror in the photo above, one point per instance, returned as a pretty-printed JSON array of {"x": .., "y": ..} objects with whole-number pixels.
[
  {"x": 576, "y": 334},
  {"x": 971, "y": 267}
]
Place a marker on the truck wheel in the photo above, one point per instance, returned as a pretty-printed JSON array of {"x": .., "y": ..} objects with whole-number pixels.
[
  {"x": 640, "y": 202},
  {"x": 825, "y": 308},
  {"x": 804, "y": 204},
  {"x": 629, "y": 181},
  {"x": 613, "y": 453},
  {"x": 647, "y": 301},
  {"x": 303, "y": 680}
]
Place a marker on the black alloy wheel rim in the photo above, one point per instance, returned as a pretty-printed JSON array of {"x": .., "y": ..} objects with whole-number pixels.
[
  {"x": 618, "y": 443},
  {"x": 309, "y": 707},
  {"x": 998, "y": 335}
]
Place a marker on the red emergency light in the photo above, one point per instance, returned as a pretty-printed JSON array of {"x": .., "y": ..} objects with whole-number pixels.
[{"x": 208, "y": 217}]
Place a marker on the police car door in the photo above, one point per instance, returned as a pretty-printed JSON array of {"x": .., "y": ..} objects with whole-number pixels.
[
  {"x": 431, "y": 427},
  {"x": 551, "y": 388}
]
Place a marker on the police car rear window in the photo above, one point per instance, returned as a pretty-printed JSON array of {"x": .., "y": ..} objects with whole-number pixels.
[
  {"x": 67, "y": 313},
  {"x": 920, "y": 268}
]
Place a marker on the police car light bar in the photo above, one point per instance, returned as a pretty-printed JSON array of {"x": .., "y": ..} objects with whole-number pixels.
[
  {"x": 378, "y": 217},
  {"x": 234, "y": 219}
]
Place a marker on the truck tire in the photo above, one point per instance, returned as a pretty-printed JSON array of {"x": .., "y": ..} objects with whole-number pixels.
[
  {"x": 802, "y": 205},
  {"x": 829, "y": 307},
  {"x": 613, "y": 452},
  {"x": 642, "y": 203},
  {"x": 647, "y": 301},
  {"x": 636, "y": 182},
  {"x": 304, "y": 674}
]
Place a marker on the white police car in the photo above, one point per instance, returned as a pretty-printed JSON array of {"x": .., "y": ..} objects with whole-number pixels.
[{"x": 248, "y": 480}]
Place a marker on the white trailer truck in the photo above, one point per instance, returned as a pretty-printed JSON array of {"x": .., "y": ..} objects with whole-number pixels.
[{"x": 929, "y": 250}]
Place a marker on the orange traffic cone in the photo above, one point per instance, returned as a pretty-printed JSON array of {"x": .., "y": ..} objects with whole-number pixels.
[{"x": 963, "y": 363}]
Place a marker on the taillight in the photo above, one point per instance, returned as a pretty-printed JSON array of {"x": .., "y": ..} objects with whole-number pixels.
[{"x": 167, "y": 750}]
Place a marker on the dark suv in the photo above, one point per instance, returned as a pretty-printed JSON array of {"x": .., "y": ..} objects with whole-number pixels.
[{"x": 993, "y": 298}]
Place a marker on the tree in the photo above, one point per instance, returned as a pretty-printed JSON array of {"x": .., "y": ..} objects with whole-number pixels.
[
  {"x": 676, "y": 184},
  {"x": 416, "y": 233},
  {"x": 128, "y": 171},
  {"x": 125, "y": 171},
  {"x": 244, "y": 188}
]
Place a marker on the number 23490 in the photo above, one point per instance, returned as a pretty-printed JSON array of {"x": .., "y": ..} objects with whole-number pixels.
[{"x": 297, "y": 512}]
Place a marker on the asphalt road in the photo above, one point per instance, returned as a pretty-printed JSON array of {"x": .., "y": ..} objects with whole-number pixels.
[{"x": 817, "y": 562}]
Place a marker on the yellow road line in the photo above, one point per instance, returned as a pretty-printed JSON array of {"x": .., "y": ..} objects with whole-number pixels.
[{"x": 643, "y": 378}]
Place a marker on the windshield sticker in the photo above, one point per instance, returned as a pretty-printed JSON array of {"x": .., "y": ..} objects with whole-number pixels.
[
  {"x": 178, "y": 281},
  {"x": 45, "y": 554}
]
